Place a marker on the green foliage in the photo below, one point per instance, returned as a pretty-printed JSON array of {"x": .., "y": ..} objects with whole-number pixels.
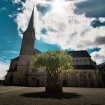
[{"x": 53, "y": 61}]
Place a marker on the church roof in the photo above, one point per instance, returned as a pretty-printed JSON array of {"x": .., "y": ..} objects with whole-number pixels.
[
  {"x": 16, "y": 58},
  {"x": 84, "y": 67},
  {"x": 37, "y": 51},
  {"x": 31, "y": 22},
  {"x": 79, "y": 54}
]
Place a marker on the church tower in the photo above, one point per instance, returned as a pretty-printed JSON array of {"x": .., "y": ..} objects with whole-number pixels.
[
  {"x": 27, "y": 46},
  {"x": 24, "y": 65}
]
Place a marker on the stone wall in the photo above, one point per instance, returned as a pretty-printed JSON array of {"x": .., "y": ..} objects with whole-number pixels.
[{"x": 76, "y": 78}]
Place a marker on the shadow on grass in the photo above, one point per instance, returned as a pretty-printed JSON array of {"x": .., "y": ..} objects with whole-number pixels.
[{"x": 63, "y": 95}]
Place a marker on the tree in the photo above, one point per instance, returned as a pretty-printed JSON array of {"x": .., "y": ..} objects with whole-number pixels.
[{"x": 54, "y": 63}]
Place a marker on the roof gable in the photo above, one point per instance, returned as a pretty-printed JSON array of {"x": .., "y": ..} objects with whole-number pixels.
[{"x": 79, "y": 54}]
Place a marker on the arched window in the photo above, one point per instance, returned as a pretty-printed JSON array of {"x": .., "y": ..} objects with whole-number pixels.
[
  {"x": 90, "y": 75},
  {"x": 91, "y": 80},
  {"x": 82, "y": 76}
]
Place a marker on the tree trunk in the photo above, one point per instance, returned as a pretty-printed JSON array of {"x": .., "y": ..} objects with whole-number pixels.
[
  {"x": 53, "y": 84},
  {"x": 53, "y": 88}
]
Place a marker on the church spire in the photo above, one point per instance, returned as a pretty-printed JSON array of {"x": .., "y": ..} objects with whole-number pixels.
[
  {"x": 27, "y": 47},
  {"x": 31, "y": 22}
]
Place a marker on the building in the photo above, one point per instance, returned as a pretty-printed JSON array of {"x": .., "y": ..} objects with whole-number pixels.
[
  {"x": 101, "y": 68},
  {"x": 85, "y": 73},
  {"x": 21, "y": 72}
]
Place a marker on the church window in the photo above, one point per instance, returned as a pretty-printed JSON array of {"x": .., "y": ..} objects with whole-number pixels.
[
  {"x": 76, "y": 61},
  {"x": 82, "y": 76},
  {"x": 76, "y": 74},
  {"x": 73, "y": 75},
  {"x": 85, "y": 61},
  {"x": 90, "y": 76}
]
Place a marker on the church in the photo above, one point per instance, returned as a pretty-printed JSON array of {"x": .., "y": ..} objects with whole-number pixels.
[{"x": 21, "y": 72}]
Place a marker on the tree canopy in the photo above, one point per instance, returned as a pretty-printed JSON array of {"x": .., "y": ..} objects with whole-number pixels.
[{"x": 53, "y": 61}]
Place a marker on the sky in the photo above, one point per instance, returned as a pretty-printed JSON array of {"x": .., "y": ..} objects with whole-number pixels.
[{"x": 59, "y": 24}]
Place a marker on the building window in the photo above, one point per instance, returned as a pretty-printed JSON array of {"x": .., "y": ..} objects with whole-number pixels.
[
  {"x": 86, "y": 61},
  {"x": 73, "y": 76},
  {"x": 77, "y": 60},
  {"x": 90, "y": 76},
  {"x": 82, "y": 76}
]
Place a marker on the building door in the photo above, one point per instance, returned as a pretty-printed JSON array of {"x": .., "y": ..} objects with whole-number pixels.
[
  {"x": 37, "y": 83},
  {"x": 91, "y": 80},
  {"x": 65, "y": 83}
]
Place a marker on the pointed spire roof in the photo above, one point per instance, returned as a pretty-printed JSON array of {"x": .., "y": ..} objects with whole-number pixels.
[{"x": 31, "y": 22}]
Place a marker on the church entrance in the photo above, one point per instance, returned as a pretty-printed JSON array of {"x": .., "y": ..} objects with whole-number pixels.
[
  {"x": 91, "y": 84},
  {"x": 37, "y": 83},
  {"x": 65, "y": 83}
]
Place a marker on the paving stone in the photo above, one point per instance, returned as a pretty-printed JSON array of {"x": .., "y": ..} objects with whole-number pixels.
[{"x": 37, "y": 96}]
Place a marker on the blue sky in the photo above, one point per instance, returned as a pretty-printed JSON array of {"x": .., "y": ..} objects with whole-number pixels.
[{"x": 60, "y": 24}]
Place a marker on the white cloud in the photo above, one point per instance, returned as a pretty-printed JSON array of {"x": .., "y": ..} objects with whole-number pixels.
[
  {"x": 3, "y": 68},
  {"x": 73, "y": 31},
  {"x": 16, "y": 1},
  {"x": 99, "y": 56},
  {"x": 14, "y": 52},
  {"x": 23, "y": 18},
  {"x": 3, "y": 9}
]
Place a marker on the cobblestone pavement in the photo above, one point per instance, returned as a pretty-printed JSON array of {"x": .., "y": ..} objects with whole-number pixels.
[{"x": 11, "y": 95}]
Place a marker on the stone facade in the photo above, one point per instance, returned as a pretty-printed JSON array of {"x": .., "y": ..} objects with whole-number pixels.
[
  {"x": 85, "y": 73},
  {"x": 101, "y": 68}
]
